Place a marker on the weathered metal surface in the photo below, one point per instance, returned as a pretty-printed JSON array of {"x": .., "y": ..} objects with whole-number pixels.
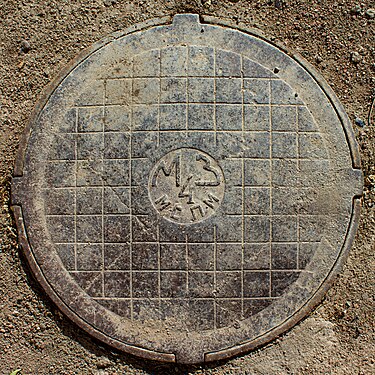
[{"x": 186, "y": 191}]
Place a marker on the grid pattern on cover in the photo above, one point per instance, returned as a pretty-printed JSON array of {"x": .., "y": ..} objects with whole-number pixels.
[{"x": 225, "y": 268}]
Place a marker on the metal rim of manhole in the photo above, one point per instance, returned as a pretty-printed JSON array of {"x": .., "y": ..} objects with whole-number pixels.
[{"x": 186, "y": 190}]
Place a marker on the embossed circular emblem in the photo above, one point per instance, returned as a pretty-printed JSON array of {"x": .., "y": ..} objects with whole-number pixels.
[
  {"x": 177, "y": 196},
  {"x": 186, "y": 186}
]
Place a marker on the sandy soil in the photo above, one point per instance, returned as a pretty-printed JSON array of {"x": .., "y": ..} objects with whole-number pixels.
[{"x": 338, "y": 337}]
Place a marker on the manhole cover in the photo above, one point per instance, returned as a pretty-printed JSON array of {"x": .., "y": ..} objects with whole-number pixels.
[{"x": 186, "y": 191}]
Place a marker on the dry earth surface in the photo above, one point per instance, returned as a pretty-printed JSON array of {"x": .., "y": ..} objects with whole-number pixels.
[{"x": 337, "y": 37}]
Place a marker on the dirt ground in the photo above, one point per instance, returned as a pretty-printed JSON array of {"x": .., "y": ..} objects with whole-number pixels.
[{"x": 336, "y": 36}]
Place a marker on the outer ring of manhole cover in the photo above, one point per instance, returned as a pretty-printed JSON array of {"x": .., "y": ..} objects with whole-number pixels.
[{"x": 186, "y": 191}]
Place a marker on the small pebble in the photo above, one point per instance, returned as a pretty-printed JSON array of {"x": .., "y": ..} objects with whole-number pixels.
[
  {"x": 355, "y": 57},
  {"x": 356, "y": 10},
  {"x": 25, "y": 46},
  {"x": 370, "y": 13},
  {"x": 279, "y": 4},
  {"x": 358, "y": 121},
  {"x": 108, "y": 3},
  {"x": 103, "y": 362}
]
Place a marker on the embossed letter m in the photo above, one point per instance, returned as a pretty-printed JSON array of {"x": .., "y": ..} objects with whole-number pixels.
[{"x": 167, "y": 171}]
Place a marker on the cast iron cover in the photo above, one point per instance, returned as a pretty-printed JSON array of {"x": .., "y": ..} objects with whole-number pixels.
[{"x": 186, "y": 191}]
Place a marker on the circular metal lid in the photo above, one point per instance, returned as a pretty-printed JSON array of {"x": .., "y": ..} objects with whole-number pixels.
[{"x": 185, "y": 191}]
